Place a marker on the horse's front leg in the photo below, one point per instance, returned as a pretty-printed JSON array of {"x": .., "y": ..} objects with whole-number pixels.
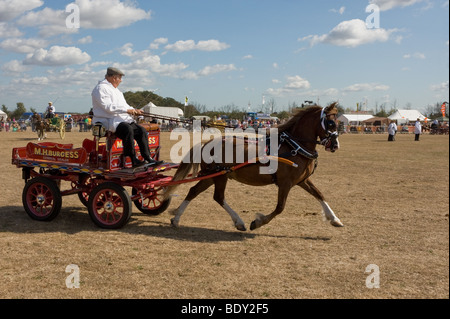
[
  {"x": 327, "y": 211},
  {"x": 262, "y": 220}
]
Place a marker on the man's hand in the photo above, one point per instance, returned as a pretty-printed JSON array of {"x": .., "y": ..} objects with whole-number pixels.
[{"x": 135, "y": 112}]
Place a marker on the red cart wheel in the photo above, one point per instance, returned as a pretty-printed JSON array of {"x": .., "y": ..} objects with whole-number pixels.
[
  {"x": 42, "y": 199},
  {"x": 109, "y": 206},
  {"x": 154, "y": 204},
  {"x": 85, "y": 181}
]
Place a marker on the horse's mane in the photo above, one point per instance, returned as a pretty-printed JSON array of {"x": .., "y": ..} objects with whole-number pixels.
[{"x": 297, "y": 116}]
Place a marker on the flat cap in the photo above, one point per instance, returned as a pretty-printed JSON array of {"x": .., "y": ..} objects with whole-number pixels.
[{"x": 114, "y": 71}]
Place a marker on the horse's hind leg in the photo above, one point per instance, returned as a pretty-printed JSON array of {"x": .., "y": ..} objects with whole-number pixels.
[
  {"x": 199, "y": 188},
  {"x": 220, "y": 184},
  {"x": 328, "y": 212}
]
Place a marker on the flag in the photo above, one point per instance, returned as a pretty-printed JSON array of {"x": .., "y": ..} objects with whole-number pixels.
[
  {"x": 186, "y": 101},
  {"x": 444, "y": 105}
]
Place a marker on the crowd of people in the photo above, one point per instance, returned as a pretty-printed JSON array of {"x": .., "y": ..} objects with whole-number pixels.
[{"x": 80, "y": 123}]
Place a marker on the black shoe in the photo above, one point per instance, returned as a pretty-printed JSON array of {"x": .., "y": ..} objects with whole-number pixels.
[
  {"x": 138, "y": 163},
  {"x": 153, "y": 162}
]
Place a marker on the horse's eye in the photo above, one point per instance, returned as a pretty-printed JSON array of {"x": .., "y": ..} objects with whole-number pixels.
[{"x": 331, "y": 125}]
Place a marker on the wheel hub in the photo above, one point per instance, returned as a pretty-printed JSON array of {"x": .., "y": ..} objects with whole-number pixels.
[
  {"x": 40, "y": 199},
  {"x": 109, "y": 207}
]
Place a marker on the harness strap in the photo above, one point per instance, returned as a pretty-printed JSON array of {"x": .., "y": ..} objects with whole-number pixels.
[{"x": 296, "y": 148}]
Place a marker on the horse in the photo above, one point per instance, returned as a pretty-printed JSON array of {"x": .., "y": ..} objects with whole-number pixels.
[
  {"x": 41, "y": 126},
  {"x": 297, "y": 143}
]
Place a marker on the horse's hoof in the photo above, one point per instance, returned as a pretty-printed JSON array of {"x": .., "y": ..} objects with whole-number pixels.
[
  {"x": 337, "y": 223},
  {"x": 174, "y": 223},
  {"x": 241, "y": 227},
  {"x": 253, "y": 225}
]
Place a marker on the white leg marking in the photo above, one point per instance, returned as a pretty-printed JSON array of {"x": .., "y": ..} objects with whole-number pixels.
[
  {"x": 178, "y": 212},
  {"x": 235, "y": 217},
  {"x": 329, "y": 215}
]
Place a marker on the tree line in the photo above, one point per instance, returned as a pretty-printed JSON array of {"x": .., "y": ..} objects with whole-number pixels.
[{"x": 143, "y": 98}]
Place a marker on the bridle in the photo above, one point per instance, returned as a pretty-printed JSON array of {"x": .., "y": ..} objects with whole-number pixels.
[{"x": 329, "y": 126}]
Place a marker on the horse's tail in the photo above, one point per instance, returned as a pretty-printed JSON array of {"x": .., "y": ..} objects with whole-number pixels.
[{"x": 187, "y": 164}]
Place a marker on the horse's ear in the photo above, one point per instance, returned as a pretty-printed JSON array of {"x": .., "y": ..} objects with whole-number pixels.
[{"x": 332, "y": 108}]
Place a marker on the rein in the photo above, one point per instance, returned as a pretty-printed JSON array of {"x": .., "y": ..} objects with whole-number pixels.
[{"x": 190, "y": 122}]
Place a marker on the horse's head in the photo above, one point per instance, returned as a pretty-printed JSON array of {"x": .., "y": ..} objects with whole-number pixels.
[{"x": 328, "y": 132}]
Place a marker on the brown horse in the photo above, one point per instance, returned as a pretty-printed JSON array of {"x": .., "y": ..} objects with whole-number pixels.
[
  {"x": 40, "y": 126},
  {"x": 297, "y": 144}
]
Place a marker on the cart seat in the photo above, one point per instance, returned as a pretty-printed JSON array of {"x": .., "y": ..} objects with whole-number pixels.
[{"x": 99, "y": 130}]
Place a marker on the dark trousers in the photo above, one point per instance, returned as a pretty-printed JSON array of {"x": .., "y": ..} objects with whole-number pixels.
[
  {"x": 417, "y": 137},
  {"x": 128, "y": 133}
]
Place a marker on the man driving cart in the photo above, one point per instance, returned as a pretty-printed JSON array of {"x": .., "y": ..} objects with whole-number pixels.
[{"x": 111, "y": 109}]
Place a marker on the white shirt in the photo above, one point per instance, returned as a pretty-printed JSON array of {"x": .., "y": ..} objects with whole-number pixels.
[
  {"x": 418, "y": 128},
  {"x": 51, "y": 109},
  {"x": 392, "y": 129},
  {"x": 109, "y": 106}
]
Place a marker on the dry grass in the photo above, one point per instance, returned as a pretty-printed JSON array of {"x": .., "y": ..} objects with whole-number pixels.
[{"x": 392, "y": 197}]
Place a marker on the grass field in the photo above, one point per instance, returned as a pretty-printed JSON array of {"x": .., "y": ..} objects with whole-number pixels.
[{"x": 392, "y": 197}]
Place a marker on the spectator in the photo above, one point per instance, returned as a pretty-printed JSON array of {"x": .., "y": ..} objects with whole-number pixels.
[
  {"x": 392, "y": 130},
  {"x": 417, "y": 129}
]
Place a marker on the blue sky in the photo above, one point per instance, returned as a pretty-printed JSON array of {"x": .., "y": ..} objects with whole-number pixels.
[{"x": 227, "y": 52}]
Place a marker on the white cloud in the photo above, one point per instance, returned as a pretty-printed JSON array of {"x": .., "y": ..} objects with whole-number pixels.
[
  {"x": 143, "y": 62},
  {"x": 8, "y": 31},
  {"x": 95, "y": 14},
  {"x": 416, "y": 55},
  {"x": 57, "y": 56},
  {"x": 391, "y": 4},
  {"x": 85, "y": 40},
  {"x": 294, "y": 84},
  {"x": 109, "y": 14},
  {"x": 22, "y": 45},
  {"x": 36, "y": 81},
  {"x": 49, "y": 22},
  {"x": 11, "y": 9},
  {"x": 247, "y": 57},
  {"x": 366, "y": 87},
  {"x": 351, "y": 33},
  {"x": 157, "y": 42},
  {"x": 209, "y": 70},
  {"x": 297, "y": 82},
  {"x": 189, "y": 45},
  {"x": 440, "y": 87},
  {"x": 14, "y": 67},
  {"x": 341, "y": 10},
  {"x": 143, "y": 65}
]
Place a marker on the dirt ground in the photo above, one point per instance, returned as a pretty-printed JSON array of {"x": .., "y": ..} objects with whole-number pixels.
[{"x": 392, "y": 197}]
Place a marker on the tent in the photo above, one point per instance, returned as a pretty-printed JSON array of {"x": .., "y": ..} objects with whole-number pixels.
[
  {"x": 164, "y": 111},
  {"x": 354, "y": 119},
  {"x": 406, "y": 116},
  {"x": 3, "y": 114},
  {"x": 377, "y": 121}
]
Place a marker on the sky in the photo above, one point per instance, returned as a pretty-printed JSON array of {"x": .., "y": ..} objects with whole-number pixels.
[{"x": 236, "y": 52}]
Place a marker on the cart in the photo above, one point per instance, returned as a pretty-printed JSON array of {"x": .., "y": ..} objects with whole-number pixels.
[
  {"x": 98, "y": 173},
  {"x": 55, "y": 124}
]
